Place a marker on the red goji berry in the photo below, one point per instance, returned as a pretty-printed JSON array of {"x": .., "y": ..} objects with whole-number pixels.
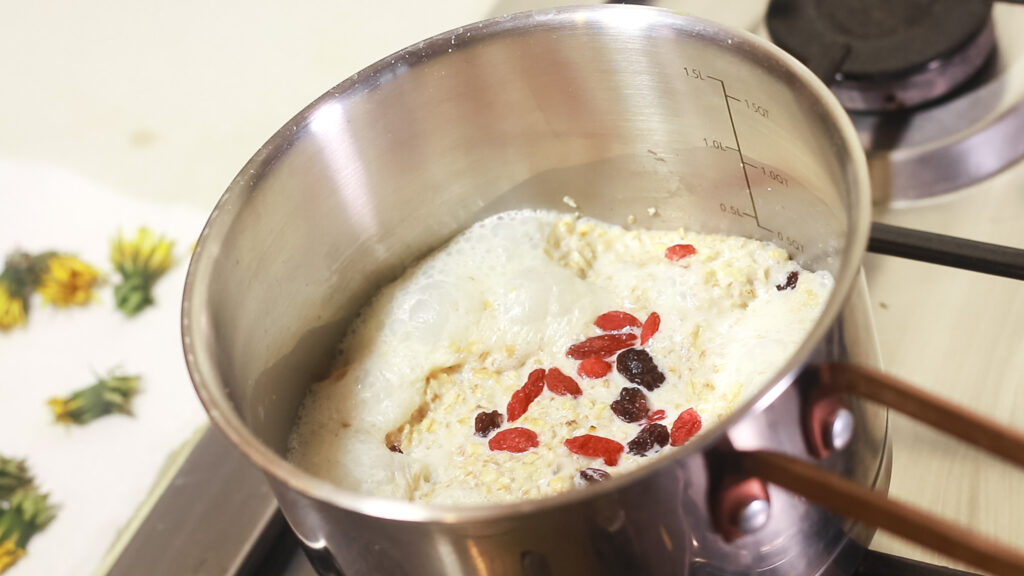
[
  {"x": 601, "y": 346},
  {"x": 522, "y": 398},
  {"x": 650, "y": 328},
  {"x": 593, "y": 368},
  {"x": 685, "y": 427},
  {"x": 562, "y": 385},
  {"x": 593, "y": 446},
  {"x": 677, "y": 252},
  {"x": 656, "y": 416},
  {"x": 514, "y": 440},
  {"x": 616, "y": 320}
]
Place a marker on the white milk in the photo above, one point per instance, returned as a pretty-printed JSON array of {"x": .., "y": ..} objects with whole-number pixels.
[{"x": 459, "y": 332}]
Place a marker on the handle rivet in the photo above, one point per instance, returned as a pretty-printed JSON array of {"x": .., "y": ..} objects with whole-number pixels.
[
  {"x": 753, "y": 516},
  {"x": 839, "y": 429}
]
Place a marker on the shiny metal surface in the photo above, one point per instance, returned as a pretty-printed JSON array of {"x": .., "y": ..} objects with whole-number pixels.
[
  {"x": 957, "y": 141},
  {"x": 938, "y": 78},
  {"x": 518, "y": 112},
  {"x": 181, "y": 536},
  {"x": 754, "y": 516},
  {"x": 840, "y": 429}
]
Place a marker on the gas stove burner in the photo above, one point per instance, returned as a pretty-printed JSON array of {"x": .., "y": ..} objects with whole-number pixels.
[
  {"x": 886, "y": 54},
  {"x": 942, "y": 145},
  {"x": 958, "y": 140}
]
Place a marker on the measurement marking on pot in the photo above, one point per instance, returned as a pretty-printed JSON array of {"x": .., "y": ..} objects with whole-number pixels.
[
  {"x": 694, "y": 73},
  {"x": 739, "y": 150},
  {"x": 716, "y": 144},
  {"x": 755, "y": 108}
]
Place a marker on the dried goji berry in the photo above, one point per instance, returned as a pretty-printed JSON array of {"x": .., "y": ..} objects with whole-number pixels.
[
  {"x": 656, "y": 416},
  {"x": 561, "y": 384},
  {"x": 601, "y": 346},
  {"x": 593, "y": 368},
  {"x": 685, "y": 427},
  {"x": 677, "y": 252},
  {"x": 522, "y": 398},
  {"x": 650, "y": 328},
  {"x": 593, "y": 446},
  {"x": 791, "y": 280},
  {"x": 514, "y": 440},
  {"x": 487, "y": 422},
  {"x": 616, "y": 320}
]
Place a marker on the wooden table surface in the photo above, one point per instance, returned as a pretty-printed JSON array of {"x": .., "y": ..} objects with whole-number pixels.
[{"x": 960, "y": 335}]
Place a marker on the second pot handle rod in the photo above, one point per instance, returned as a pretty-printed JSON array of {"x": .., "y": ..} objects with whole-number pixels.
[
  {"x": 946, "y": 250},
  {"x": 852, "y": 500}
]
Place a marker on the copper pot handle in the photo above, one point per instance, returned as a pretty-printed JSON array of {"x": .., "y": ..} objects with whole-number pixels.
[
  {"x": 852, "y": 500},
  {"x": 925, "y": 407}
]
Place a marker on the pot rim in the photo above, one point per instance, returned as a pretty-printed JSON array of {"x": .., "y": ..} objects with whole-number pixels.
[{"x": 194, "y": 318}]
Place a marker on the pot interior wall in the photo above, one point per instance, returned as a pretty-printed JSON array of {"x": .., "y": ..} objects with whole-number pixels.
[{"x": 620, "y": 110}]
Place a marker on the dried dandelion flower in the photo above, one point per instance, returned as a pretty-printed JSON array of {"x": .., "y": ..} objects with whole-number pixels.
[
  {"x": 12, "y": 309},
  {"x": 110, "y": 395},
  {"x": 10, "y": 553},
  {"x": 141, "y": 261},
  {"x": 19, "y": 278},
  {"x": 68, "y": 281},
  {"x": 61, "y": 279},
  {"x": 26, "y": 513},
  {"x": 13, "y": 476}
]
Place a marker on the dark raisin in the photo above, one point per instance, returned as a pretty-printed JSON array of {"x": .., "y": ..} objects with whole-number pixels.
[
  {"x": 631, "y": 405},
  {"x": 593, "y": 475},
  {"x": 637, "y": 366},
  {"x": 651, "y": 436},
  {"x": 791, "y": 280},
  {"x": 487, "y": 422},
  {"x": 395, "y": 448}
]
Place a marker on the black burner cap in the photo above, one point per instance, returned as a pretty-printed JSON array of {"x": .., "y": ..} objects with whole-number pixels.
[{"x": 872, "y": 39}]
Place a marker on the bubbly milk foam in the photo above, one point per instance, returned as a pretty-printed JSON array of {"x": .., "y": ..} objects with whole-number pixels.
[{"x": 458, "y": 334}]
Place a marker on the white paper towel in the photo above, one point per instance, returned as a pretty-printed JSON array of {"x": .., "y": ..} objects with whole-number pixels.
[{"x": 97, "y": 474}]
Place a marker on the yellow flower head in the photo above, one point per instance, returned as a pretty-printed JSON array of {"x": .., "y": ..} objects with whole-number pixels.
[
  {"x": 141, "y": 262},
  {"x": 146, "y": 253},
  {"x": 68, "y": 281},
  {"x": 109, "y": 395},
  {"x": 61, "y": 409},
  {"x": 12, "y": 310},
  {"x": 9, "y": 554}
]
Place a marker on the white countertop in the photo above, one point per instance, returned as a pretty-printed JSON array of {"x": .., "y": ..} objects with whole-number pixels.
[{"x": 166, "y": 101}]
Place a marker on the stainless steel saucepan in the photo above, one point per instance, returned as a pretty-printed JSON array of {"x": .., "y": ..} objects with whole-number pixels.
[{"x": 623, "y": 108}]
